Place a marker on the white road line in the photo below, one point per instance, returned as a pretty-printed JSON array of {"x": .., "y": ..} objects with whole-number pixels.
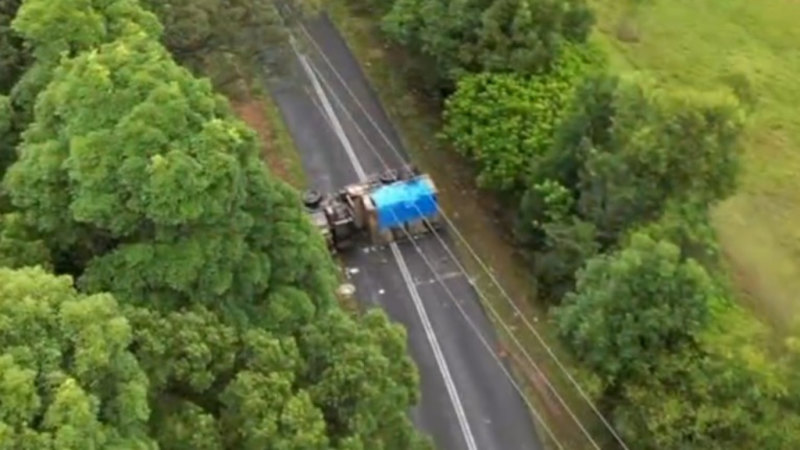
[
  {"x": 337, "y": 126},
  {"x": 443, "y": 277},
  {"x": 317, "y": 105},
  {"x": 401, "y": 263}
]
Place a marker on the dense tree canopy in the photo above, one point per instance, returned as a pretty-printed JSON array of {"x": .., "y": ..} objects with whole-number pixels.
[
  {"x": 629, "y": 147},
  {"x": 6, "y": 139},
  {"x": 331, "y": 382},
  {"x": 181, "y": 210},
  {"x": 627, "y": 152},
  {"x": 639, "y": 302},
  {"x": 221, "y": 38},
  {"x": 13, "y": 55},
  {"x": 507, "y": 122},
  {"x": 522, "y": 36},
  {"x": 65, "y": 28},
  {"x": 681, "y": 366},
  {"x": 67, "y": 377},
  {"x": 661, "y": 146},
  {"x": 302, "y": 383},
  {"x": 19, "y": 247},
  {"x": 57, "y": 27},
  {"x": 134, "y": 177}
]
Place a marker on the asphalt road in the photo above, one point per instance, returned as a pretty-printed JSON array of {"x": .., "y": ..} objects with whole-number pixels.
[{"x": 467, "y": 400}]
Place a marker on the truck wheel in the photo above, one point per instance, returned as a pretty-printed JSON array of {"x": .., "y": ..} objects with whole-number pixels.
[
  {"x": 311, "y": 198},
  {"x": 388, "y": 177}
]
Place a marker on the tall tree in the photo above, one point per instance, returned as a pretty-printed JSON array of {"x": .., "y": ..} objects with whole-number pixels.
[
  {"x": 221, "y": 38},
  {"x": 14, "y": 57},
  {"x": 19, "y": 247},
  {"x": 155, "y": 190},
  {"x": 331, "y": 382},
  {"x": 64, "y": 28},
  {"x": 470, "y": 36},
  {"x": 664, "y": 144},
  {"x": 628, "y": 147},
  {"x": 726, "y": 392},
  {"x": 681, "y": 366},
  {"x": 139, "y": 181},
  {"x": 67, "y": 378},
  {"x": 56, "y": 28},
  {"x": 628, "y": 153},
  {"x": 634, "y": 304},
  {"x": 506, "y": 122}
]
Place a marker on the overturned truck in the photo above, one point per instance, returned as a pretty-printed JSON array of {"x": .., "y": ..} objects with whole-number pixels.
[{"x": 387, "y": 207}]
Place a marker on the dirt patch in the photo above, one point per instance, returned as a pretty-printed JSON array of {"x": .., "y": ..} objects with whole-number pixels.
[{"x": 253, "y": 113}]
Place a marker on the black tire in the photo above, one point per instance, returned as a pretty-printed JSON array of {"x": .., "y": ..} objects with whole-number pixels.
[
  {"x": 388, "y": 177},
  {"x": 311, "y": 198}
]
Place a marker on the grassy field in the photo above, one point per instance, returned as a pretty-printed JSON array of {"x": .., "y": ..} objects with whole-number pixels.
[{"x": 701, "y": 43}]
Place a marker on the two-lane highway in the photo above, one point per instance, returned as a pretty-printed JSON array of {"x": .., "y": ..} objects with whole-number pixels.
[{"x": 341, "y": 130}]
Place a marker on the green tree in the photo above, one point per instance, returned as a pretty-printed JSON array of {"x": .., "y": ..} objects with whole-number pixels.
[
  {"x": 471, "y": 36},
  {"x": 561, "y": 242},
  {"x": 135, "y": 177},
  {"x": 726, "y": 392},
  {"x": 630, "y": 154},
  {"x": 331, "y": 383},
  {"x": 663, "y": 145},
  {"x": 155, "y": 190},
  {"x": 220, "y": 38},
  {"x": 681, "y": 365},
  {"x": 507, "y": 122},
  {"x": 235, "y": 388},
  {"x": 687, "y": 224},
  {"x": 67, "y": 378},
  {"x": 632, "y": 305},
  {"x": 56, "y": 28},
  {"x": 65, "y": 28},
  {"x": 14, "y": 57},
  {"x": 18, "y": 247},
  {"x": 359, "y": 373}
]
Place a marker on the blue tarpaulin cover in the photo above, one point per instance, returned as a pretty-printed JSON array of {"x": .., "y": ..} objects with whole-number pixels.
[{"x": 404, "y": 201}]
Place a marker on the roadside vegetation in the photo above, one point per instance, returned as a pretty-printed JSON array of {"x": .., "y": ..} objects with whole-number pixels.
[
  {"x": 614, "y": 179},
  {"x": 750, "y": 47},
  {"x": 159, "y": 287}
]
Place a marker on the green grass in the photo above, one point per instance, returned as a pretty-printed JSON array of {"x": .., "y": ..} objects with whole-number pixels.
[
  {"x": 284, "y": 145},
  {"x": 475, "y": 214},
  {"x": 699, "y": 43}
]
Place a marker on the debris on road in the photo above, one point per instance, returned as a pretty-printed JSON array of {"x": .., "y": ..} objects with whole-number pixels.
[{"x": 346, "y": 290}]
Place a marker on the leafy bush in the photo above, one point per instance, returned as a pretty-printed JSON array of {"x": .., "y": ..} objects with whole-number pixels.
[{"x": 506, "y": 123}]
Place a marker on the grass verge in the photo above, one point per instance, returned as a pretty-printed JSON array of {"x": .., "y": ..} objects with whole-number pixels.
[
  {"x": 476, "y": 215},
  {"x": 705, "y": 44},
  {"x": 262, "y": 115}
]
